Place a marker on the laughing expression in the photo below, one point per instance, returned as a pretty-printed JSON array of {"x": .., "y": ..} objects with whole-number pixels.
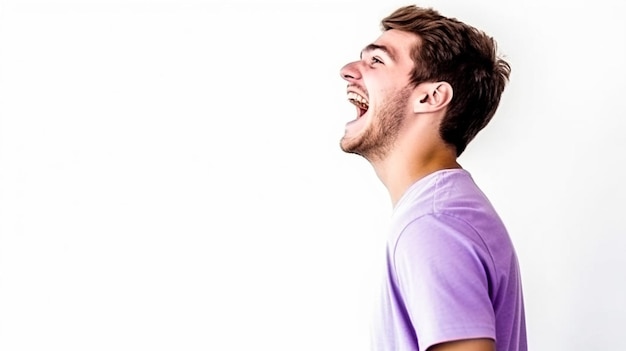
[{"x": 378, "y": 86}]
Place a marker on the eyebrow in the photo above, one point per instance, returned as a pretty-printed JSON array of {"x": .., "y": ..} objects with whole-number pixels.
[{"x": 388, "y": 51}]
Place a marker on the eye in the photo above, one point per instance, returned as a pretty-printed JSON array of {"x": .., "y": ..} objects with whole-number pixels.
[{"x": 375, "y": 60}]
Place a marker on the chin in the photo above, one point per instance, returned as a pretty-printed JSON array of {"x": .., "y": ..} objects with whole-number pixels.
[
  {"x": 354, "y": 137},
  {"x": 363, "y": 144},
  {"x": 348, "y": 145}
]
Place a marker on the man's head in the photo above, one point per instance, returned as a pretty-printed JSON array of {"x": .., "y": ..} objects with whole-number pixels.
[{"x": 423, "y": 62}]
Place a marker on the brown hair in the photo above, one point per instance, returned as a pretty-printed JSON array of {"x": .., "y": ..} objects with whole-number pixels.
[{"x": 461, "y": 55}]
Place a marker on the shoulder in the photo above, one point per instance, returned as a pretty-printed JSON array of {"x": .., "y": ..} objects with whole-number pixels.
[
  {"x": 451, "y": 191},
  {"x": 437, "y": 237},
  {"x": 448, "y": 213}
]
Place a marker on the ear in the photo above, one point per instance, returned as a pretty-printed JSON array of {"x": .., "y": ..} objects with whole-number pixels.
[{"x": 432, "y": 97}]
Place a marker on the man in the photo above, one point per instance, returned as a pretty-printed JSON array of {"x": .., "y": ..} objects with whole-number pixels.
[{"x": 422, "y": 91}]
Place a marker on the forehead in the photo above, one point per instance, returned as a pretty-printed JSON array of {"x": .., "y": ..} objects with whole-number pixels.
[{"x": 401, "y": 43}]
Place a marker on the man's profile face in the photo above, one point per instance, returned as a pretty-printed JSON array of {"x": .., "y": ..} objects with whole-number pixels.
[{"x": 378, "y": 85}]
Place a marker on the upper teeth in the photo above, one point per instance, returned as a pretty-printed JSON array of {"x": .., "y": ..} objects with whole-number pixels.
[{"x": 358, "y": 100}]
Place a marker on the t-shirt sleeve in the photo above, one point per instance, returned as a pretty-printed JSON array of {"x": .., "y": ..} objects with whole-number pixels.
[{"x": 442, "y": 270}]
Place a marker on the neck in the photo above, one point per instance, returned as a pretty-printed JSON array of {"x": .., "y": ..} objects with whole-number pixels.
[{"x": 401, "y": 169}]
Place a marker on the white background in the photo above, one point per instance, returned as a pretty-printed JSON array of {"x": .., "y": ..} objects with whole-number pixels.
[{"x": 170, "y": 176}]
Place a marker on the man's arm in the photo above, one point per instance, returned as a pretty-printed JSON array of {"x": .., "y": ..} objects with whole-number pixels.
[
  {"x": 465, "y": 345},
  {"x": 442, "y": 270}
]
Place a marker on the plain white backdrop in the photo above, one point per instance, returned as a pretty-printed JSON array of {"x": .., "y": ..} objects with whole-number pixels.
[{"x": 170, "y": 176}]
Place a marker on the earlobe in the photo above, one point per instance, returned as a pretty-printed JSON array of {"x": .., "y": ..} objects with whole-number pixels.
[{"x": 433, "y": 97}]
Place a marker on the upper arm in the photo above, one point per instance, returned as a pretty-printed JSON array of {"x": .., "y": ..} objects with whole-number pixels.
[
  {"x": 465, "y": 345},
  {"x": 443, "y": 280}
]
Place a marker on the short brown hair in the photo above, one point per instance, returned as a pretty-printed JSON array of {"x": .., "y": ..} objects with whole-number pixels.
[{"x": 461, "y": 55}]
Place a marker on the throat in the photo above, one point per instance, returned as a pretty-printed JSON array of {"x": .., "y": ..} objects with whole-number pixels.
[{"x": 399, "y": 170}]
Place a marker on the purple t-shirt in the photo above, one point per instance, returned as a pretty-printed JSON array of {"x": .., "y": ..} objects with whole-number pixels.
[{"x": 452, "y": 272}]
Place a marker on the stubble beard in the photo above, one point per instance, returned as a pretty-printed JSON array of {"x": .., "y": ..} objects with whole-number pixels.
[{"x": 378, "y": 139}]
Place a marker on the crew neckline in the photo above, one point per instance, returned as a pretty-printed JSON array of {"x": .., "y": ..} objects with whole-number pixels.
[{"x": 418, "y": 184}]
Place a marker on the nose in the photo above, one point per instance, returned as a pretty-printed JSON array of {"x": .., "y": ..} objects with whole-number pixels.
[{"x": 350, "y": 72}]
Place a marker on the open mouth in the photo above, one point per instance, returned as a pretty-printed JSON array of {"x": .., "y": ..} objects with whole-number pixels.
[{"x": 360, "y": 102}]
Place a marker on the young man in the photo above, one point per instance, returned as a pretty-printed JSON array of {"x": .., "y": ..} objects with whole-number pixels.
[{"x": 422, "y": 91}]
